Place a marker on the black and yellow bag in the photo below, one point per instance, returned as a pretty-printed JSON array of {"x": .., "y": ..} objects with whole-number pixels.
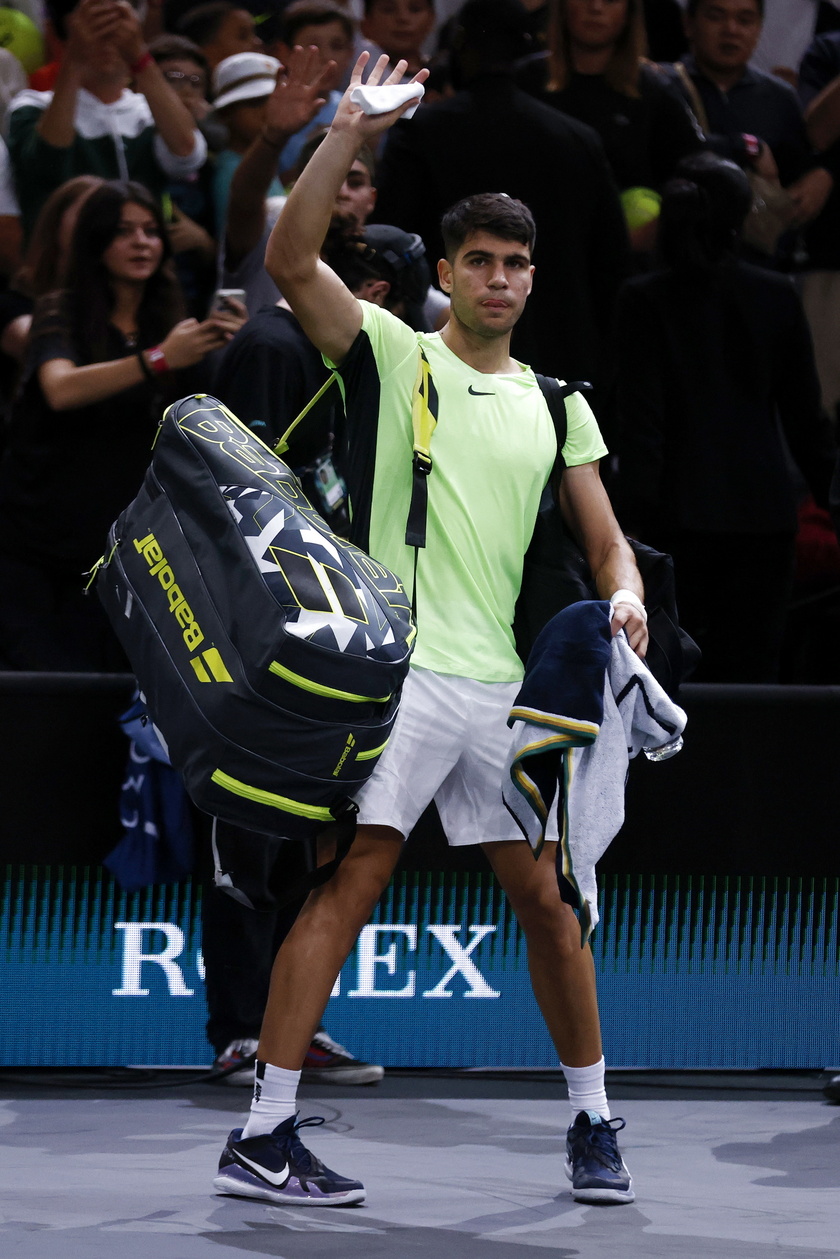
[{"x": 271, "y": 653}]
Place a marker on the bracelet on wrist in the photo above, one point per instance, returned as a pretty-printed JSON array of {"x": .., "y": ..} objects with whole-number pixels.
[
  {"x": 156, "y": 361},
  {"x": 629, "y": 596},
  {"x": 145, "y": 59},
  {"x": 752, "y": 146}
]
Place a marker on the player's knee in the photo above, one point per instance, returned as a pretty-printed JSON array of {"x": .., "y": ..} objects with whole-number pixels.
[
  {"x": 361, "y": 878},
  {"x": 548, "y": 922}
]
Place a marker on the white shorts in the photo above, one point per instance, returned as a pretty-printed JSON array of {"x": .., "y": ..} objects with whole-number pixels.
[{"x": 449, "y": 744}]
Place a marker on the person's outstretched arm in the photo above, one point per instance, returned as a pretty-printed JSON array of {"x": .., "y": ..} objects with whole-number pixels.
[
  {"x": 291, "y": 106},
  {"x": 66, "y": 385},
  {"x": 89, "y": 24},
  {"x": 328, "y": 312},
  {"x": 173, "y": 120}
]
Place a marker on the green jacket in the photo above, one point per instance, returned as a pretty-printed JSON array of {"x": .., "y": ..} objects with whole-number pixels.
[{"x": 117, "y": 141}]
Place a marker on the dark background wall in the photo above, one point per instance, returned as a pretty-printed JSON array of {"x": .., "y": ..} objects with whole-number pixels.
[{"x": 751, "y": 793}]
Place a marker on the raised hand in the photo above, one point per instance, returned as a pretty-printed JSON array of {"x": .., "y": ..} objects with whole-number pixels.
[
  {"x": 189, "y": 340},
  {"x": 295, "y": 100},
  {"x": 184, "y": 233},
  {"x": 229, "y": 319},
  {"x": 352, "y": 118},
  {"x": 625, "y": 616},
  {"x": 128, "y": 36},
  {"x": 91, "y": 23}
]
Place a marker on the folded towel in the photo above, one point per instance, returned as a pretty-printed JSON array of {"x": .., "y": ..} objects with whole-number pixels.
[
  {"x": 587, "y": 706},
  {"x": 381, "y": 100}
]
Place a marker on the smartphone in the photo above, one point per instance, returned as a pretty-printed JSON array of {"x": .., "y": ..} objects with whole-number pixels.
[{"x": 221, "y": 300}]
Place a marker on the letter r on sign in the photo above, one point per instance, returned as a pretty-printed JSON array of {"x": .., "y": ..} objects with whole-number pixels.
[{"x": 134, "y": 957}]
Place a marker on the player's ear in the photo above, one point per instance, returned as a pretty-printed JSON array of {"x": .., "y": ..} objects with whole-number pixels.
[
  {"x": 378, "y": 292},
  {"x": 444, "y": 271}
]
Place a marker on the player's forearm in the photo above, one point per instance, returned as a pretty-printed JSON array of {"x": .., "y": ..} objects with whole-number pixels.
[
  {"x": 295, "y": 243},
  {"x": 589, "y": 514},
  {"x": 615, "y": 569}
]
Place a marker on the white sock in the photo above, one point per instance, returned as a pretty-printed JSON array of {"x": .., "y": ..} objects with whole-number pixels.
[
  {"x": 275, "y": 1094},
  {"x": 586, "y": 1089}
]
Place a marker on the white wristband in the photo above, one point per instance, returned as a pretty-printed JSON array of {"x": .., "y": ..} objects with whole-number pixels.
[{"x": 627, "y": 596}]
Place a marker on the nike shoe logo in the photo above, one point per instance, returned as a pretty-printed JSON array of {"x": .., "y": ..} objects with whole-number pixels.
[
  {"x": 278, "y": 1179},
  {"x": 476, "y": 393}
]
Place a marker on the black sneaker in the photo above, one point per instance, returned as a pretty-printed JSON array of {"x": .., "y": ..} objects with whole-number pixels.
[
  {"x": 327, "y": 1062},
  {"x": 278, "y": 1168},
  {"x": 593, "y": 1163}
]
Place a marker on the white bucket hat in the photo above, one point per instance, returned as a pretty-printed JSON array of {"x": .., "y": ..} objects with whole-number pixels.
[{"x": 244, "y": 77}]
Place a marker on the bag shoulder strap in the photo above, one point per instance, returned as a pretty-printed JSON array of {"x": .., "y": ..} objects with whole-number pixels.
[
  {"x": 424, "y": 408},
  {"x": 322, "y": 399},
  {"x": 555, "y": 396}
]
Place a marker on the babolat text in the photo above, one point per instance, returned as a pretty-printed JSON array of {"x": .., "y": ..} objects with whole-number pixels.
[{"x": 159, "y": 567}]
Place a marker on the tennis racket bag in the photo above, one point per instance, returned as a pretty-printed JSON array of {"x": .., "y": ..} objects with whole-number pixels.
[{"x": 270, "y": 652}]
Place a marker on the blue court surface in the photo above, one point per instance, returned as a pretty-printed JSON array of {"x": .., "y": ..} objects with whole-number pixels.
[{"x": 459, "y": 1166}]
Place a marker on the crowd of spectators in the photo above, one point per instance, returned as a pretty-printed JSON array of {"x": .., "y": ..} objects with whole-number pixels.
[{"x": 687, "y": 265}]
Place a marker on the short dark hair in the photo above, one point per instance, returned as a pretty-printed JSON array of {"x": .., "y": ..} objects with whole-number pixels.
[
  {"x": 178, "y": 48},
  {"x": 354, "y": 261},
  {"x": 202, "y": 23},
  {"x": 693, "y": 5},
  {"x": 493, "y": 31},
  {"x": 704, "y": 206},
  {"x": 311, "y": 13},
  {"x": 493, "y": 212}
]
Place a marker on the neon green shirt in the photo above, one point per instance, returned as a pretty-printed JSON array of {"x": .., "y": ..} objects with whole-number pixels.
[{"x": 493, "y": 451}]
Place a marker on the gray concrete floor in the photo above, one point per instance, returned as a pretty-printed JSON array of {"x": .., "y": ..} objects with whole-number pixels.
[{"x": 459, "y": 1167}]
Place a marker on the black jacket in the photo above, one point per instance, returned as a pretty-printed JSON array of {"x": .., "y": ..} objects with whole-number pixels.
[
  {"x": 495, "y": 138},
  {"x": 711, "y": 373},
  {"x": 644, "y": 136}
]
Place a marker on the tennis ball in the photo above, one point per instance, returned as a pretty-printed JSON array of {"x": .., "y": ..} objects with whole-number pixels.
[
  {"x": 21, "y": 36},
  {"x": 640, "y": 206}
]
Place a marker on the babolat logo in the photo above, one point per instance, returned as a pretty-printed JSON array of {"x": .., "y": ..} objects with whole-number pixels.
[
  {"x": 348, "y": 747},
  {"x": 159, "y": 567},
  {"x": 209, "y": 666}
]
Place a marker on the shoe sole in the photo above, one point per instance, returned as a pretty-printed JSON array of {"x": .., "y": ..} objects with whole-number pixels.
[
  {"x": 594, "y": 1193},
  {"x": 232, "y": 1188},
  {"x": 342, "y": 1075}
]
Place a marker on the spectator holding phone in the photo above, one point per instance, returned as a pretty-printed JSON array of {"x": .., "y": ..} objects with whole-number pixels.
[{"x": 107, "y": 352}]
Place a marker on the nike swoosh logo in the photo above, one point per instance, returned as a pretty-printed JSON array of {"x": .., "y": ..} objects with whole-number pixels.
[
  {"x": 476, "y": 393},
  {"x": 278, "y": 1179}
]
